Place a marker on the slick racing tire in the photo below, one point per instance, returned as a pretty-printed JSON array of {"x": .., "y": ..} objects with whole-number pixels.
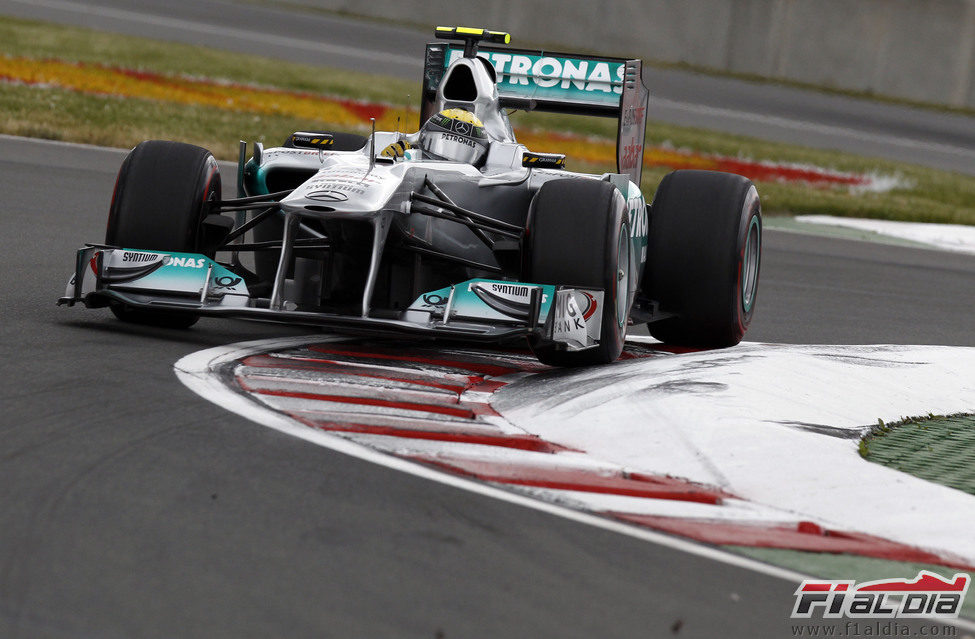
[
  {"x": 704, "y": 257},
  {"x": 578, "y": 235},
  {"x": 159, "y": 203}
]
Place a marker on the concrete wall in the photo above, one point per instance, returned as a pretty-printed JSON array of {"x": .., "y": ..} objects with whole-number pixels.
[{"x": 915, "y": 49}]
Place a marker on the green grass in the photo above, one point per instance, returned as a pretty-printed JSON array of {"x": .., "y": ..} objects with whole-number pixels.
[
  {"x": 929, "y": 195},
  {"x": 935, "y": 448},
  {"x": 108, "y": 121},
  {"x": 43, "y": 40}
]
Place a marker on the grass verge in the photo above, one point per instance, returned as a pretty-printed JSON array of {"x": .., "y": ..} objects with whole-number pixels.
[
  {"x": 935, "y": 448},
  {"x": 56, "y": 113}
]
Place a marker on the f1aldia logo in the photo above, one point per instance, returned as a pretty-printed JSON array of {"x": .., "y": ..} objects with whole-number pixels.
[{"x": 927, "y": 595}]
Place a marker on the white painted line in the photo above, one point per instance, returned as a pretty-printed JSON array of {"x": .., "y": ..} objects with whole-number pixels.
[
  {"x": 195, "y": 371},
  {"x": 947, "y": 237},
  {"x": 214, "y": 30},
  {"x": 60, "y": 143},
  {"x": 774, "y": 424},
  {"x": 230, "y": 167}
]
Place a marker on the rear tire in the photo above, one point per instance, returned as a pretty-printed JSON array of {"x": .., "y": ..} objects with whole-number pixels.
[
  {"x": 704, "y": 257},
  {"x": 578, "y": 235},
  {"x": 159, "y": 203}
]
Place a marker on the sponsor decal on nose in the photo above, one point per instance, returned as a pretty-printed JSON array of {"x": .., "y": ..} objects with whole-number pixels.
[{"x": 327, "y": 196}]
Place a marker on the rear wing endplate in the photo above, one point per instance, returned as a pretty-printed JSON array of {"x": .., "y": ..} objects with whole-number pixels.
[{"x": 559, "y": 83}]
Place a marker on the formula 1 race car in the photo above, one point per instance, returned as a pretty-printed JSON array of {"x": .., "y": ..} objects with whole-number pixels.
[{"x": 454, "y": 232}]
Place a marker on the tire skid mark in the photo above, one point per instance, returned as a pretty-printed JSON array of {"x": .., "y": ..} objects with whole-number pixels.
[
  {"x": 62, "y": 489},
  {"x": 462, "y": 361},
  {"x": 431, "y": 406},
  {"x": 365, "y": 400},
  {"x": 322, "y": 370}
]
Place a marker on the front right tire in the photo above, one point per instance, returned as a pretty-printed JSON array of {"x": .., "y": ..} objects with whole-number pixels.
[{"x": 160, "y": 201}]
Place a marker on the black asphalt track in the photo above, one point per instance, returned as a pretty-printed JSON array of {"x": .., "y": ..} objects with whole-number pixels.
[
  {"x": 778, "y": 113},
  {"x": 133, "y": 508}
]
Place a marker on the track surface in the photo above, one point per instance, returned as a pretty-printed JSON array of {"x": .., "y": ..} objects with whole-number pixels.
[
  {"x": 778, "y": 113},
  {"x": 134, "y": 508}
]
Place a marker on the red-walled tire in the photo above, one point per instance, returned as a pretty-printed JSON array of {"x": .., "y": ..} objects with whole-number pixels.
[
  {"x": 704, "y": 257},
  {"x": 159, "y": 203}
]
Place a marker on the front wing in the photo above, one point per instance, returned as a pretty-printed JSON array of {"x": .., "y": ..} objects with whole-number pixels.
[{"x": 476, "y": 310}]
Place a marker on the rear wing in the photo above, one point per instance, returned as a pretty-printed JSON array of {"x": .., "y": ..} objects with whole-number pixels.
[{"x": 559, "y": 83}]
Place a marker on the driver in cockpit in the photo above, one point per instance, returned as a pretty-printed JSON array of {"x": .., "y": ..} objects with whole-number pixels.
[{"x": 455, "y": 134}]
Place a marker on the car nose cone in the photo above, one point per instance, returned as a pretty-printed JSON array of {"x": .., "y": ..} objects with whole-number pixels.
[{"x": 327, "y": 195}]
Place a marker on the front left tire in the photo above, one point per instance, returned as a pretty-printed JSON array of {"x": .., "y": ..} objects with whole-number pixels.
[
  {"x": 704, "y": 257},
  {"x": 578, "y": 234}
]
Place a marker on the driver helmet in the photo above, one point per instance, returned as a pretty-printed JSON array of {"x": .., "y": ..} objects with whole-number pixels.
[{"x": 456, "y": 135}]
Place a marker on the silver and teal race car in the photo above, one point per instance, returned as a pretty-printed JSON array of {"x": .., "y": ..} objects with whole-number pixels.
[{"x": 455, "y": 232}]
